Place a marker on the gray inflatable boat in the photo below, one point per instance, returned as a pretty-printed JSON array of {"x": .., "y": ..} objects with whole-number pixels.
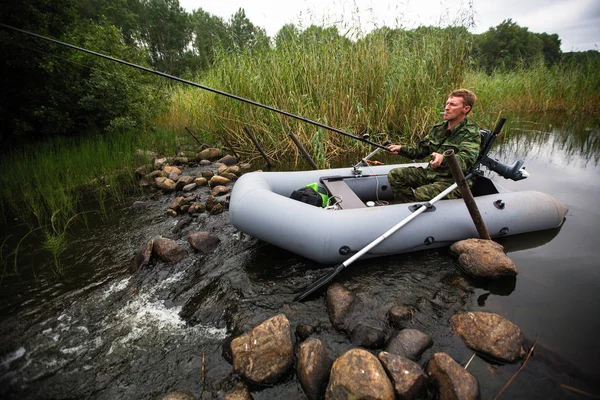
[{"x": 261, "y": 206}]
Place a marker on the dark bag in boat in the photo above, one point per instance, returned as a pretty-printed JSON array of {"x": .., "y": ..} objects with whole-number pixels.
[{"x": 308, "y": 195}]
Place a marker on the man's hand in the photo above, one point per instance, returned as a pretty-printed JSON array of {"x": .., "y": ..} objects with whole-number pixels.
[
  {"x": 437, "y": 160},
  {"x": 394, "y": 148}
]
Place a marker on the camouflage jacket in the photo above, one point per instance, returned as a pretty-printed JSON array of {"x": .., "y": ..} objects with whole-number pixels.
[{"x": 464, "y": 139}]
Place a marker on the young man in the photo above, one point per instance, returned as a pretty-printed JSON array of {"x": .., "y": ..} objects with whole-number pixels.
[{"x": 419, "y": 184}]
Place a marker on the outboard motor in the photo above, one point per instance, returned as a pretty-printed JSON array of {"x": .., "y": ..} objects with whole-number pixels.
[{"x": 516, "y": 171}]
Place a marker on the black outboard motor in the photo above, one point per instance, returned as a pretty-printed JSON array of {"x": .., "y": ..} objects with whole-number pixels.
[{"x": 514, "y": 171}]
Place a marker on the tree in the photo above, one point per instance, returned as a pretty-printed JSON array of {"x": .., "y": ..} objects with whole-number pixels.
[
  {"x": 288, "y": 34},
  {"x": 244, "y": 35},
  {"x": 209, "y": 32},
  {"x": 551, "y": 48}
]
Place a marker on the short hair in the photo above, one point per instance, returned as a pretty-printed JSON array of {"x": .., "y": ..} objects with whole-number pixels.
[{"x": 467, "y": 96}]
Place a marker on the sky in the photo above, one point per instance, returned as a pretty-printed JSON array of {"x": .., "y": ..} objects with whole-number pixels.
[{"x": 577, "y": 22}]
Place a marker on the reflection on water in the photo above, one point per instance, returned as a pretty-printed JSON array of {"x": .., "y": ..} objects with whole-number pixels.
[{"x": 103, "y": 333}]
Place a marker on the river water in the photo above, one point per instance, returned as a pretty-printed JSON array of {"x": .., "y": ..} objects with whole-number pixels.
[{"x": 102, "y": 332}]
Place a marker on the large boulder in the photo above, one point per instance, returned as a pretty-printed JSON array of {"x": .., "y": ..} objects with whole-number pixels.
[
  {"x": 490, "y": 334},
  {"x": 408, "y": 378},
  {"x": 168, "y": 250},
  {"x": 203, "y": 242},
  {"x": 358, "y": 374},
  {"x": 483, "y": 259},
  {"x": 266, "y": 353},
  {"x": 409, "y": 343},
  {"x": 314, "y": 365},
  {"x": 453, "y": 381}
]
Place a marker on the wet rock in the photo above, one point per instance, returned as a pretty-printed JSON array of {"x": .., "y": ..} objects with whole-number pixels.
[
  {"x": 266, "y": 353},
  {"x": 174, "y": 176},
  {"x": 368, "y": 336},
  {"x": 218, "y": 180},
  {"x": 205, "y": 163},
  {"x": 203, "y": 242},
  {"x": 358, "y": 374},
  {"x": 217, "y": 209},
  {"x": 179, "y": 160},
  {"x": 399, "y": 316},
  {"x": 303, "y": 331},
  {"x": 229, "y": 175},
  {"x": 177, "y": 203},
  {"x": 159, "y": 163},
  {"x": 453, "y": 381},
  {"x": 407, "y": 377},
  {"x": 490, "y": 334},
  {"x": 220, "y": 190},
  {"x": 210, "y": 203},
  {"x": 165, "y": 184},
  {"x": 314, "y": 364},
  {"x": 156, "y": 174},
  {"x": 143, "y": 256},
  {"x": 209, "y": 154},
  {"x": 234, "y": 169},
  {"x": 409, "y": 343},
  {"x": 221, "y": 169},
  {"x": 182, "y": 223},
  {"x": 201, "y": 181},
  {"x": 189, "y": 188},
  {"x": 339, "y": 301},
  {"x": 196, "y": 208},
  {"x": 228, "y": 160},
  {"x": 207, "y": 173},
  {"x": 483, "y": 259},
  {"x": 168, "y": 250},
  {"x": 179, "y": 396},
  {"x": 183, "y": 181},
  {"x": 171, "y": 212},
  {"x": 239, "y": 392}
]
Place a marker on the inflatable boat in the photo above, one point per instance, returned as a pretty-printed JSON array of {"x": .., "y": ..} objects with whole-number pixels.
[{"x": 360, "y": 209}]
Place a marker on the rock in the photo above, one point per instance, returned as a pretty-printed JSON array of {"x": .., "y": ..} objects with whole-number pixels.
[
  {"x": 179, "y": 160},
  {"x": 168, "y": 250},
  {"x": 399, "y": 315},
  {"x": 143, "y": 256},
  {"x": 220, "y": 190},
  {"x": 266, "y": 353},
  {"x": 218, "y": 180},
  {"x": 303, "y": 331},
  {"x": 190, "y": 187},
  {"x": 234, "y": 169},
  {"x": 229, "y": 175},
  {"x": 183, "y": 181},
  {"x": 183, "y": 223},
  {"x": 177, "y": 203},
  {"x": 179, "y": 396},
  {"x": 314, "y": 364},
  {"x": 174, "y": 176},
  {"x": 358, "y": 374},
  {"x": 339, "y": 301},
  {"x": 239, "y": 392},
  {"x": 407, "y": 377},
  {"x": 196, "y": 208},
  {"x": 165, "y": 184},
  {"x": 364, "y": 335},
  {"x": 157, "y": 174},
  {"x": 205, "y": 163},
  {"x": 245, "y": 166},
  {"x": 210, "y": 203},
  {"x": 490, "y": 334},
  {"x": 201, "y": 181},
  {"x": 159, "y": 162},
  {"x": 169, "y": 169},
  {"x": 207, "y": 173},
  {"x": 483, "y": 259},
  {"x": 143, "y": 171},
  {"x": 228, "y": 160},
  {"x": 209, "y": 154},
  {"x": 203, "y": 242},
  {"x": 217, "y": 209},
  {"x": 222, "y": 169},
  {"x": 409, "y": 343},
  {"x": 171, "y": 212},
  {"x": 453, "y": 381}
]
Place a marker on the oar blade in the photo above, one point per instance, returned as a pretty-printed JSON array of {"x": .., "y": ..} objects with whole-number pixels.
[{"x": 316, "y": 285}]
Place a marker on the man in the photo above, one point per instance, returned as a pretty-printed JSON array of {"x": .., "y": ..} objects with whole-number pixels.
[{"x": 457, "y": 133}]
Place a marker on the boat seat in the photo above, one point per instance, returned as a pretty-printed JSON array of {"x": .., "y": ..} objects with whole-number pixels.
[{"x": 340, "y": 189}]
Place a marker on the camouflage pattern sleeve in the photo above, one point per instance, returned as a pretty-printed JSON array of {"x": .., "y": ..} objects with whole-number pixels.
[{"x": 467, "y": 150}]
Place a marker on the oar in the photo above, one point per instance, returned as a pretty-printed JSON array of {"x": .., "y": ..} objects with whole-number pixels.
[{"x": 338, "y": 268}]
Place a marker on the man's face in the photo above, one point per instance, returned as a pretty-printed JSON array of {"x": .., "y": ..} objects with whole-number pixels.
[{"x": 455, "y": 109}]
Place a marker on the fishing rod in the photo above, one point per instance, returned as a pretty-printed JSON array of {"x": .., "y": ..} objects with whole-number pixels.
[{"x": 175, "y": 78}]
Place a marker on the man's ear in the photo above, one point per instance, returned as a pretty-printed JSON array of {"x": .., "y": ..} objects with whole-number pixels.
[{"x": 467, "y": 109}]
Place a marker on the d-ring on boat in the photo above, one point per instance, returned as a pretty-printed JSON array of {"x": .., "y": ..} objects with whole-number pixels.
[{"x": 261, "y": 206}]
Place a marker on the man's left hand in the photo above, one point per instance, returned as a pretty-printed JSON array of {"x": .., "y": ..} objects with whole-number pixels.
[{"x": 437, "y": 160}]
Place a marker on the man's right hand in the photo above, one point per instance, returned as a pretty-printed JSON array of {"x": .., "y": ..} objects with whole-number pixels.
[{"x": 394, "y": 148}]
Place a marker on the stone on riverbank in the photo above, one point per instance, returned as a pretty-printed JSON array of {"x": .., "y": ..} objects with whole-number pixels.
[
  {"x": 239, "y": 392},
  {"x": 228, "y": 160},
  {"x": 409, "y": 343},
  {"x": 339, "y": 301},
  {"x": 314, "y": 365},
  {"x": 211, "y": 154},
  {"x": 407, "y": 377},
  {"x": 266, "y": 353},
  {"x": 179, "y": 395},
  {"x": 143, "y": 256},
  {"x": 168, "y": 250},
  {"x": 490, "y": 334},
  {"x": 165, "y": 184},
  {"x": 483, "y": 259},
  {"x": 453, "y": 381},
  {"x": 220, "y": 190},
  {"x": 358, "y": 374},
  {"x": 218, "y": 180},
  {"x": 399, "y": 316}
]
